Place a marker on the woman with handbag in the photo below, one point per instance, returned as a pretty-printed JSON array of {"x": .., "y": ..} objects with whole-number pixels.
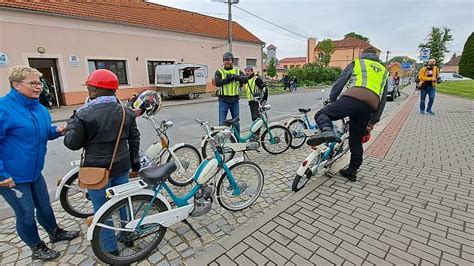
[
  {"x": 25, "y": 128},
  {"x": 108, "y": 134}
]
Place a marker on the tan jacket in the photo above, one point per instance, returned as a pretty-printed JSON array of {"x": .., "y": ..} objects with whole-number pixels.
[{"x": 423, "y": 75}]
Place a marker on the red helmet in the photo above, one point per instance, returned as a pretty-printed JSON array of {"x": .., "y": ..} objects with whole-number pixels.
[{"x": 103, "y": 79}]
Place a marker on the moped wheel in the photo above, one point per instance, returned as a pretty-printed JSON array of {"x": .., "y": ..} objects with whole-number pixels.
[
  {"x": 249, "y": 178},
  {"x": 279, "y": 143},
  {"x": 300, "y": 181},
  {"x": 298, "y": 137},
  {"x": 190, "y": 159},
  {"x": 115, "y": 246},
  {"x": 75, "y": 200},
  {"x": 207, "y": 150}
]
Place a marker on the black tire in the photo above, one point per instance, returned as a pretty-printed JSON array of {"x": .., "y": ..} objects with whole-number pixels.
[
  {"x": 285, "y": 139},
  {"x": 70, "y": 205},
  {"x": 300, "y": 181},
  {"x": 109, "y": 258},
  {"x": 206, "y": 149},
  {"x": 189, "y": 173},
  {"x": 298, "y": 138},
  {"x": 223, "y": 185},
  {"x": 191, "y": 96}
]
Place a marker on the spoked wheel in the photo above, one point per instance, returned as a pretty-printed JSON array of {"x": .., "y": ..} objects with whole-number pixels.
[
  {"x": 207, "y": 150},
  {"x": 75, "y": 200},
  {"x": 249, "y": 178},
  {"x": 190, "y": 159},
  {"x": 117, "y": 246},
  {"x": 298, "y": 137},
  {"x": 300, "y": 181},
  {"x": 278, "y": 142}
]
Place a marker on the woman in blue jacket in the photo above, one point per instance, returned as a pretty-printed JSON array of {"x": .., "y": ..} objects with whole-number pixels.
[{"x": 25, "y": 128}]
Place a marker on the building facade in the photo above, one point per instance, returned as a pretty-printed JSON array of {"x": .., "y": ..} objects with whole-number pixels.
[{"x": 67, "y": 41}]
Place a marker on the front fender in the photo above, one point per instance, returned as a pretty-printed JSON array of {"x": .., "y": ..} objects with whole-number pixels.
[
  {"x": 273, "y": 124},
  {"x": 172, "y": 149},
  {"x": 114, "y": 200},
  {"x": 234, "y": 161},
  {"x": 65, "y": 178}
]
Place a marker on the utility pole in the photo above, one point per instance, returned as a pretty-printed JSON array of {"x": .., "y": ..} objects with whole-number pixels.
[
  {"x": 386, "y": 59},
  {"x": 230, "y": 24}
]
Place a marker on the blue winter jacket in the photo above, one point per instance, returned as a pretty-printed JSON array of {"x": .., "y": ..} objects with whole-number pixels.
[{"x": 25, "y": 128}]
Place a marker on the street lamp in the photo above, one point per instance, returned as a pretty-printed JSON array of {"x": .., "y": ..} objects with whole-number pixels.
[{"x": 230, "y": 3}]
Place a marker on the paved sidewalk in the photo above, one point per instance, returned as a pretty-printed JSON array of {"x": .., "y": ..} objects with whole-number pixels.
[{"x": 412, "y": 205}]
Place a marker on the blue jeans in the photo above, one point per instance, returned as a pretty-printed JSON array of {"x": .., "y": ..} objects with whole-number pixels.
[
  {"x": 431, "y": 91},
  {"x": 224, "y": 106},
  {"x": 25, "y": 199},
  {"x": 97, "y": 196}
]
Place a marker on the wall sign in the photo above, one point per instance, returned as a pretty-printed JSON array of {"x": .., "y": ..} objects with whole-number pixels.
[
  {"x": 74, "y": 60},
  {"x": 4, "y": 60}
]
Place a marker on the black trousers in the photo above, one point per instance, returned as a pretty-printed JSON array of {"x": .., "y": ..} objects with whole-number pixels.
[
  {"x": 359, "y": 115},
  {"x": 254, "y": 110}
]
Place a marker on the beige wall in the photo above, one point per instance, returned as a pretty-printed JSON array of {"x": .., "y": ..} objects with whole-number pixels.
[
  {"x": 289, "y": 65},
  {"x": 454, "y": 69},
  {"x": 23, "y": 32}
]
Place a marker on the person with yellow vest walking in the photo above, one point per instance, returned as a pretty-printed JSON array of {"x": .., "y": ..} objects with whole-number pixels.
[
  {"x": 428, "y": 77},
  {"x": 255, "y": 87},
  {"x": 363, "y": 103},
  {"x": 229, "y": 80}
]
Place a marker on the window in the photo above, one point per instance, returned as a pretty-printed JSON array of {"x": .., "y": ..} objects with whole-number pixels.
[
  {"x": 186, "y": 75},
  {"x": 250, "y": 62},
  {"x": 292, "y": 66},
  {"x": 116, "y": 66},
  {"x": 285, "y": 66},
  {"x": 152, "y": 67},
  {"x": 320, "y": 55},
  {"x": 236, "y": 61}
]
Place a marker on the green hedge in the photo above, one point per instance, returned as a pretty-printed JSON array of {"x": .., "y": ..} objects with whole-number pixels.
[{"x": 314, "y": 74}]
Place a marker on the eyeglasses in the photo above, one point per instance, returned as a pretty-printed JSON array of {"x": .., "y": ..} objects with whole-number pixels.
[{"x": 33, "y": 84}]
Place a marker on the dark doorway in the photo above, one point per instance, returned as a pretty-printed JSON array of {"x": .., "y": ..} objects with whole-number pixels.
[{"x": 50, "y": 73}]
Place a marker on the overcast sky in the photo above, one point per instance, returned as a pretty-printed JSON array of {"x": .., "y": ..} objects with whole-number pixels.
[{"x": 398, "y": 26}]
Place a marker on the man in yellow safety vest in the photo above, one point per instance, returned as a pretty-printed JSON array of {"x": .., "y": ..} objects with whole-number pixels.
[{"x": 363, "y": 103}]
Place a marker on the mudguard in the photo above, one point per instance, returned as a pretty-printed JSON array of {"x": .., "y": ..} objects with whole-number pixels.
[
  {"x": 311, "y": 157},
  {"x": 116, "y": 199},
  {"x": 65, "y": 178},
  {"x": 165, "y": 157}
]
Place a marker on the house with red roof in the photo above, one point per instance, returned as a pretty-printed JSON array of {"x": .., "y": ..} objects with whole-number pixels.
[{"x": 67, "y": 40}]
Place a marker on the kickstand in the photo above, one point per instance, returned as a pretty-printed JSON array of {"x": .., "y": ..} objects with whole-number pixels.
[{"x": 185, "y": 221}]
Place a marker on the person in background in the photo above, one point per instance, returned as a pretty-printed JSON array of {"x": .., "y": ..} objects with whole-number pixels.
[
  {"x": 229, "y": 80},
  {"x": 428, "y": 77},
  {"x": 25, "y": 128},
  {"x": 255, "y": 87},
  {"x": 396, "y": 80},
  {"x": 44, "y": 96}
]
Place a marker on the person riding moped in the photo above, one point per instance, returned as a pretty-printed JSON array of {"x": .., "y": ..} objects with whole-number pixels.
[{"x": 363, "y": 103}]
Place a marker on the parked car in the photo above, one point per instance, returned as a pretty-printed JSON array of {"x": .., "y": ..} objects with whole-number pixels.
[
  {"x": 392, "y": 89},
  {"x": 452, "y": 77}
]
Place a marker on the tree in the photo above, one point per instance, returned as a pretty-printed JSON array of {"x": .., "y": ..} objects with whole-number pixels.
[
  {"x": 466, "y": 64},
  {"x": 402, "y": 59},
  {"x": 271, "y": 68},
  {"x": 438, "y": 43},
  {"x": 327, "y": 48},
  {"x": 357, "y": 36}
]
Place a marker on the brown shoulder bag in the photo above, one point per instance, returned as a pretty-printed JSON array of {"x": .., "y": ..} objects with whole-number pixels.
[{"x": 98, "y": 177}]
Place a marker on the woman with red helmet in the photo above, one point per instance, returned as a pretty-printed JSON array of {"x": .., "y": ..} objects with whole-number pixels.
[{"x": 95, "y": 128}]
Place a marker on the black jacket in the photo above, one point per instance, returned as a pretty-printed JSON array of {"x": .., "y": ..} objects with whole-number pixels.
[{"x": 95, "y": 128}]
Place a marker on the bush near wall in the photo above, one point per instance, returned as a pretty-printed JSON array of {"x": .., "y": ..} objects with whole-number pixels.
[{"x": 314, "y": 74}]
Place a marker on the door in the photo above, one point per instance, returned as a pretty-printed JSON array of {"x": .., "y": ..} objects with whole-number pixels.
[{"x": 50, "y": 73}]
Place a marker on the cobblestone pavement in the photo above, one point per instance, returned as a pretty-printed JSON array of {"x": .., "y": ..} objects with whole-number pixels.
[
  {"x": 412, "y": 204},
  {"x": 180, "y": 243}
]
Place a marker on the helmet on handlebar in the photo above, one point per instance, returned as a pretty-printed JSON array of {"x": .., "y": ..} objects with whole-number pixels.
[{"x": 149, "y": 102}]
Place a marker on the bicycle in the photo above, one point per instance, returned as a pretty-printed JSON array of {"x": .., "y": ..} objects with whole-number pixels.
[
  {"x": 137, "y": 215},
  {"x": 75, "y": 201},
  {"x": 301, "y": 127},
  {"x": 322, "y": 156},
  {"x": 275, "y": 138}
]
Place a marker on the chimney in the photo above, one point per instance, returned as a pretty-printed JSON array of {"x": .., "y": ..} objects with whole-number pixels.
[{"x": 310, "y": 54}]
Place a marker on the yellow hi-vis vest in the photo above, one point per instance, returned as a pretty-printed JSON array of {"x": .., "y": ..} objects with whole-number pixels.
[
  {"x": 232, "y": 88},
  {"x": 370, "y": 74},
  {"x": 251, "y": 88}
]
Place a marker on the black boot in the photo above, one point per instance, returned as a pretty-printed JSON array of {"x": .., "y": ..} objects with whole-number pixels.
[
  {"x": 41, "y": 252},
  {"x": 60, "y": 235},
  {"x": 326, "y": 135},
  {"x": 349, "y": 174}
]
